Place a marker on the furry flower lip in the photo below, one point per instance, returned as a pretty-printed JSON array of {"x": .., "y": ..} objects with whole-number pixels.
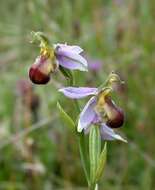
[
  {"x": 39, "y": 72},
  {"x": 113, "y": 115},
  {"x": 99, "y": 110},
  {"x": 115, "y": 118}
]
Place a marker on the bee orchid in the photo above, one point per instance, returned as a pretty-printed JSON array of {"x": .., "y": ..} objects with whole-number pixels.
[
  {"x": 51, "y": 58},
  {"x": 99, "y": 110}
]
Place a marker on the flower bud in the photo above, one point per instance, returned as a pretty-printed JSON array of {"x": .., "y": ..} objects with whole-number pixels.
[
  {"x": 114, "y": 114},
  {"x": 114, "y": 78},
  {"x": 40, "y": 71}
]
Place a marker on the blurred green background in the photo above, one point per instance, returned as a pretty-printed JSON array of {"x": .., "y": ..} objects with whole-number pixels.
[{"x": 36, "y": 151}]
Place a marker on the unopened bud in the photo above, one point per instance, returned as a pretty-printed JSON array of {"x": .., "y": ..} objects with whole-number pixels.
[{"x": 114, "y": 78}]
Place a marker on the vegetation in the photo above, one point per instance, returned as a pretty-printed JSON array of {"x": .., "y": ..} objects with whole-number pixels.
[{"x": 37, "y": 151}]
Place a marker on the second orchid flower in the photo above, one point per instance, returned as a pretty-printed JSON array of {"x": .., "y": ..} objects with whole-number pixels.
[{"x": 99, "y": 110}]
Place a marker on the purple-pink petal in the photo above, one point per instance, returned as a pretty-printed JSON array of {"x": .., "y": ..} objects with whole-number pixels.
[
  {"x": 75, "y": 49},
  {"x": 70, "y": 58},
  {"x": 109, "y": 134},
  {"x": 71, "y": 55},
  {"x": 87, "y": 115},
  {"x": 70, "y": 63},
  {"x": 78, "y": 92}
]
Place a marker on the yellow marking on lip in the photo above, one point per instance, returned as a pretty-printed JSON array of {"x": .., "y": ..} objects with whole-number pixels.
[
  {"x": 102, "y": 96},
  {"x": 47, "y": 51}
]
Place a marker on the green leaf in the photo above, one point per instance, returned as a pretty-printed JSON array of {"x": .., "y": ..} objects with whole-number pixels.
[
  {"x": 94, "y": 150},
  {"x": 66, "y": 119},
  {"x": 101, "y": 163},
  {"x": 67, "y": 74}
]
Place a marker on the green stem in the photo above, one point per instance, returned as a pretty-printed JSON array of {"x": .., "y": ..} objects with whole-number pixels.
[
  {"x": 83, "y": 151},
  {"x": 93, "y": 187},
  {"x": 81, "y": 142},
  {"x": 96, "y": 187}
]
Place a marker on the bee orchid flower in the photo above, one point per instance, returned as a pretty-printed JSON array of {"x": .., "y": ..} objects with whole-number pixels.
[
  {"x": 51, "y": 58},
  {"x": 99, "y": 110}
]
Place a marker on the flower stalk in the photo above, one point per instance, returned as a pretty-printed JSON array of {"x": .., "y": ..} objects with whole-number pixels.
[
  {"x": 82, "y": 149},
  {"x": 100, "y": 114}
]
